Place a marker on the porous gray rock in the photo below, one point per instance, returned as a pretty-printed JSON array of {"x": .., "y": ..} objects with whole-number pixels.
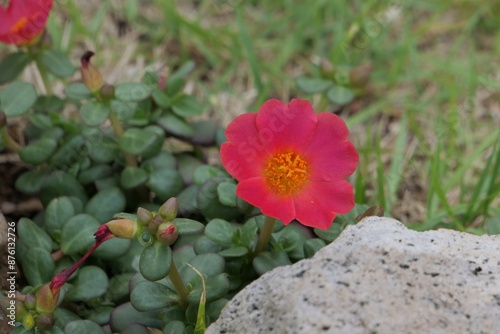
[{"x": 377, "y": 277}]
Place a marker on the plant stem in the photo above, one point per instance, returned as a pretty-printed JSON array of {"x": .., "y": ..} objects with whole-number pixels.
[
  {"x": 118, "y": 130},
  {"x": 45, "y": 78},
  {"x": 9, "y": 141},
  {"x": 179, "y": 285},
  {"x": 265, "y": 235}
]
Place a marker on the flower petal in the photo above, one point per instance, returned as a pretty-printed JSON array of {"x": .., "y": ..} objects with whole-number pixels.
[
  {"x": 242, "y": 161},
  {"x": 320, "y": 202},
  {"x": 329, "y": 154},
  {"x": 255, "y": 192},
  {"x": 281, "y": 126}
]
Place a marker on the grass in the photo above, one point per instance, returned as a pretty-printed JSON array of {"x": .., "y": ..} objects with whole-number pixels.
[{"x": 428, "y": 133}]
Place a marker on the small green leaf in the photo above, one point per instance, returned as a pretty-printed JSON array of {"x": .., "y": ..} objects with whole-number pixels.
[
  {"x": 188, "y": 226},
  {"x": 38, "y": 266},
  {"x": 311, "y": 246},
  {"x": 58, "y": 212},
  {"x": 208, "y": 264},
  {"x": 155, "y": 261},
  {"x": 112, "y": 249},
  {"x": 340, "y": 95},
  {"x": 220, "y": 231},
  {"x": 104, "y": 150},
  {"x": 31, "y": 181},
  {"x": 216, "y": 287},
  {"x": 205, "y": 133},
  {"x": 174, "y": 327},
  {"x": 39, "y": 151},
  {"x": 313, "y": 85},
  {"x": 205, "y": 172},
  {"x": 32, "y": 235},
  {"x": 187, "y": 165},
  {"x": 126, "y": 314},
  {"x": 493, "y": 225},
  {"x": 186, "y": 105},
  {"x": 40, "y": 121},
  {"x": 119, "y": 286},
  {"x": 91, "y": 282},
  {"x": 132, "y": 177},
  {"x": 94, "y": 113},
  {"x": 208, "y": 202},
  {"x": 78, "y": 234},
  {"x": 105, "y": 204},
  {"x": 227, "y": 193},
  {"x": 204, "y": 245},
  {"x": 77, "y": 91},
  {"x": 174, "y": 85},
  {"x": 165, "y": 183},
  {"x": 123, "y": 110},
  {"x": 95, "y": 173},
  {"x": 161, "y": 99},
  {"x": 132, "y": 92},
  {"x": 162, "y": 160},
  {"x": 57, "y": 63},
  {"x": 176, "y": 126},
  {"x": 59, "y": 184},
  {"x": 83, "y": 327},
  {"x": 136, "y": 141},
  {"x": 17, "y": 98},
  {"x": 12, "y": 65},
  {"x": 269, "y": 260},
  {"x": 331, "y": 233},
  {"x": 48, "y": 103},
  {"x": 238, "y": 251},
  {"x": 147, "y": 296},
  {"x": 71, "y": 152}
]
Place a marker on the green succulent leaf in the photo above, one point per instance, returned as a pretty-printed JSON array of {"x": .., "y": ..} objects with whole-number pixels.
[
  {"x": 204, "y": 173},
  {"x": 94, "y": 173},
  {"x": 185, "y": 105},
  {"x": 59, "y": 211},
  {"x": 40, "y": 121},
  {"x": 162, "y": 160},
  {"x": 126, "y": 314},
  {"x": 91, "y": 282},
  {"x": 132, "y": 177},
  {"x": 226, "y": 191},
  {"x": 493, "y": 225},
  {"x": 78, "y": 234},
  {"x": 313, "y": 85},
  {"x": 216, "y": 287},
  {"x": 12, "y": 65},
  {"x": 48, "y": 104},
  {"x": 104, "y": 150},
  {"x": 132, "y": 92},
  {"x": 57, "y": 63},
  {"x": 147, "y": 296},
  {"x": 39, "y": 151},
  {"x": 340, "y": 95},
  {"x": 174, "y": 327},
  {"x": 112, "y": 249},
  {"x": 60, "y": 184},
  {"x": 83, "y": 327},
  {"x": 267, "y": 261},
  {"x": 31, "y": 181},
  {"x": 311, "y": 246},
  {"x": 165, "y": 183},
  {"x": 77, "y": 91},
  {"x": 38, "y": 266},
  {"x": 176, "y": 126},
  {"x": 155, "y": 261},
  {"x": 32, "y": 235},
  {"x": 188, "y": 226},
  {"x": 238, "y": 251},
  {"x": 136, "y": 141},
  {"x": 331, "y": 233},
  {"x": 94, "y": 113},
  {"x": 105, "y": 204},
  {"x": 17, "y": 98},
  {"x": 220, "y": 231},
  {"x": 204, "y": 245},
  {"x": 208, "y": 264}
]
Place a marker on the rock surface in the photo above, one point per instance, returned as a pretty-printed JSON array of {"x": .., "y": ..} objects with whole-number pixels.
[{"x": 377, "y": 277}]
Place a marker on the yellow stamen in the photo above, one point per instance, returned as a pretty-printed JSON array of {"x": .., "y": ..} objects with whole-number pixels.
[{"x": 286, "y": 173}]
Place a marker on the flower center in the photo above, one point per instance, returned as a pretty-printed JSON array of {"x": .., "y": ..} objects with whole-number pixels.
[
  {"x": 19, "y": 25},
  {"x": 286, "y": 173}
]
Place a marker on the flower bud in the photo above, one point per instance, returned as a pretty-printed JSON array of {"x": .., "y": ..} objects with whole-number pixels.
[
  {"x": 154, "y": 223},
  {"x": 28, "y": 321},
  {"x": 144, "y": 216},
  {"x": 46, "y": 302},
  {"x": 167, "y": 233},
  {"x": 169, "y": 209},
  {"x": 107, "y": 91},
  {"x": 360, "y": 75},
  {"x": 30, "y": 301},
  {"x": 91, "y": 76},
  {"x": 123, "y": 228},
  {"x": 45, "y": 321}
]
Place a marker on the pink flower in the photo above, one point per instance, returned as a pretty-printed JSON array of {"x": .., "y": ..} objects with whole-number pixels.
[
  {"x": 291, "y": 162},
  {"x": 23, "y": 20}
]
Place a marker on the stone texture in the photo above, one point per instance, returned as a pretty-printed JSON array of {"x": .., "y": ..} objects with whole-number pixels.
[{"x": 377, "y": 277}]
